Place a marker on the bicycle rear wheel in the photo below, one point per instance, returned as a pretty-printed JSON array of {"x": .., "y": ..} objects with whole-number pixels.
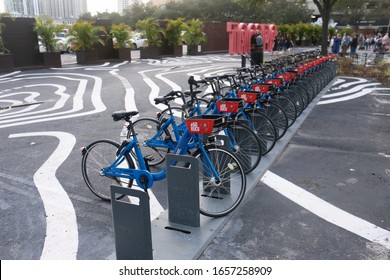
[
  {"x": 245, "y": 144},
  {"x": 297, "y": 99},
  {"x": 146, "y": 128},
  {"x": 263, "y": 126},
  {"x": 97, "y": 156},
  {"x": 219, "y": 198},
  {"x": 288, "y": 107},
  {"x": 278, "y": 117}
]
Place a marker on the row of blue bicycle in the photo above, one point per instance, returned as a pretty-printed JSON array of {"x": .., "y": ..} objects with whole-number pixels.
[{"x": 228, "y": 122}]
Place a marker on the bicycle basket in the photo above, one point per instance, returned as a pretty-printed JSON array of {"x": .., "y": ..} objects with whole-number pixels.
[
  {"x": 263, "y": 88},
  {"x": 300, "y": 69},
  {"x": 229, "y": 105},
  {"x": 293, "y": 74},
  {"x": 248, "y": 97},
  {"x": 204, "y": 124},
  {"x": 285, "y": 76},
  {"x": 276, "y": 82}
]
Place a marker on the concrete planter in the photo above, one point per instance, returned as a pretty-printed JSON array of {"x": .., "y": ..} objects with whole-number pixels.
[
  {"x": 6, "y": 62},
  {"x": 86, "y": 56},
  {"x": 150, "y": 52},
  {"x": 178, "y": 50},
  {"x": 52, "y": 59},
  {"x": 193, "y": 50},
  {"x": 124, "y": 54}
]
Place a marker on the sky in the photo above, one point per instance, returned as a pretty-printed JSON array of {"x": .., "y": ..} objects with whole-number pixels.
[
  {"x": 101, "y": 6},
  {"x": 93, "y": 6}
]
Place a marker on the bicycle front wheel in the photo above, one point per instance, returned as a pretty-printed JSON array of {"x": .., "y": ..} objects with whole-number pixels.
[
  {"x": 97, "y": 156},
  {"x": 219, "y": 197}
]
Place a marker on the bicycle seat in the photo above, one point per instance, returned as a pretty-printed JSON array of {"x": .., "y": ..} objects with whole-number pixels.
[{"x": 123, "y": 115}]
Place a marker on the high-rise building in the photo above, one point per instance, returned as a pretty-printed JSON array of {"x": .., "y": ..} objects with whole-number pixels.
[
  {"x": 64, "y": 8},
  {"x": 124, "y": 4},
  {"x": 23, "y": 8},
  {"x": 2, "y": 7},
  {"x": 57, "y": 9}
]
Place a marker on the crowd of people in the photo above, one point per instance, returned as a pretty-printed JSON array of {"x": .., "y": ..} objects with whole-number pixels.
[
  {"x": 282, "y": 44},
  {"x": 343, "y": 44}
]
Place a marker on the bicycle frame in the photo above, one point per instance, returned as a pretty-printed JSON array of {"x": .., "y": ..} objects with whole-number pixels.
[{"x": 145, "y": 178}]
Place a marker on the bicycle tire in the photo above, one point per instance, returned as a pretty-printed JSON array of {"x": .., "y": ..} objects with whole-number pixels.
[
  {"x": 278, "y": 117},
  {"x": 263, "y": 126},
  {"x": 218, "y": 199},
  {"x": 97, "y": 156},
  {"x": 297, "y": 99},
  {"x": 302, "y": 92},
  {"x": 146, "y": 128},
  {"x": 288, "y": 106},
  {"x": 245, "y": 144},
  {"x": 306, "y": 86}
]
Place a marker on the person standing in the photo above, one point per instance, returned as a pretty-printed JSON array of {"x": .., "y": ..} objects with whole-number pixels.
[
  {"x": 361, "y": 42},
  {"x": 275, "y": 47},
  {"x": 354, "y": 44},
  {"x": 289, "y": 44},
  {"x": 336, "y": 44},
  {"x": 385, "y": 41},
  {"x": 257, "y": 53},
  {"x": 345, "y": 42}
]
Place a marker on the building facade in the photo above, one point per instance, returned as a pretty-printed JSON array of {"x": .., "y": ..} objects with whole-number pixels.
[
  {"x": 57, "y": 9},
  {"x": 23, "y": 8}
]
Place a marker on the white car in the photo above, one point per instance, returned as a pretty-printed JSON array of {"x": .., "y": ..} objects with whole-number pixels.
[
  {"x": 137, "y": 41},
  {"x": 63, "y": 44}
]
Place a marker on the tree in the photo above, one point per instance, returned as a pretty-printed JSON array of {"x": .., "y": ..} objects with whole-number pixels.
[
  {"x": 46, "y": 28},
  {"x": 139, "y": 11},
  {"x": 275, "y": 11},
  {"x": 325, "y": 8},
  {"x": 152, "y": 31},
  {"x": 84, "y": 35}
]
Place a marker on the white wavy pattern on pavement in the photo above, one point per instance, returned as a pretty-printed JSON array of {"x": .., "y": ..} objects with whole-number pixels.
[
  {"x": 348, "y": 88},
  {"x": 57, "y": 111},
  {"x": 61, "y": 242}
]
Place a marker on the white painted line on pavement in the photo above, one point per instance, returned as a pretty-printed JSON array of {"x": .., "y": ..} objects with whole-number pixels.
[
  {"x": 351, "y": 90},
  {"x": 327, "y": 211},
  {"x": 363, "y": 92},
  {"x": 61, "y": 242},
  {"x": 77, "y": 99},
  {"x": 130, "y": 93}
]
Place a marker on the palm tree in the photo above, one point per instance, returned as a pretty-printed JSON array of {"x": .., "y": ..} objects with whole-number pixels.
[
  {"x": 83, "y": 35},
  {"x": 46, "y": 30}
]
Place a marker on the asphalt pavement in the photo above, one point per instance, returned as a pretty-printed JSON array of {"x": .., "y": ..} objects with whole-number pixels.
[
  {"x": 324, "y": 194},
  {"x": 327, "y": 195}
]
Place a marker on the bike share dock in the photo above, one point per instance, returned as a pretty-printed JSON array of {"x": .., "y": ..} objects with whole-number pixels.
[{"x": 184, "y": 239}]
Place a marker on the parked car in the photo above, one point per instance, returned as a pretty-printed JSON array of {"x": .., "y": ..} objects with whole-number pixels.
[
  {"x": 63, "y": 44},
  {"x": 135, "y": 42},
  {"x": 138, "y": 41}
]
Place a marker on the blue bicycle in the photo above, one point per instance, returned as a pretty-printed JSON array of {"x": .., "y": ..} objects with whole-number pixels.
[{"x": 222, "y": 181}]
